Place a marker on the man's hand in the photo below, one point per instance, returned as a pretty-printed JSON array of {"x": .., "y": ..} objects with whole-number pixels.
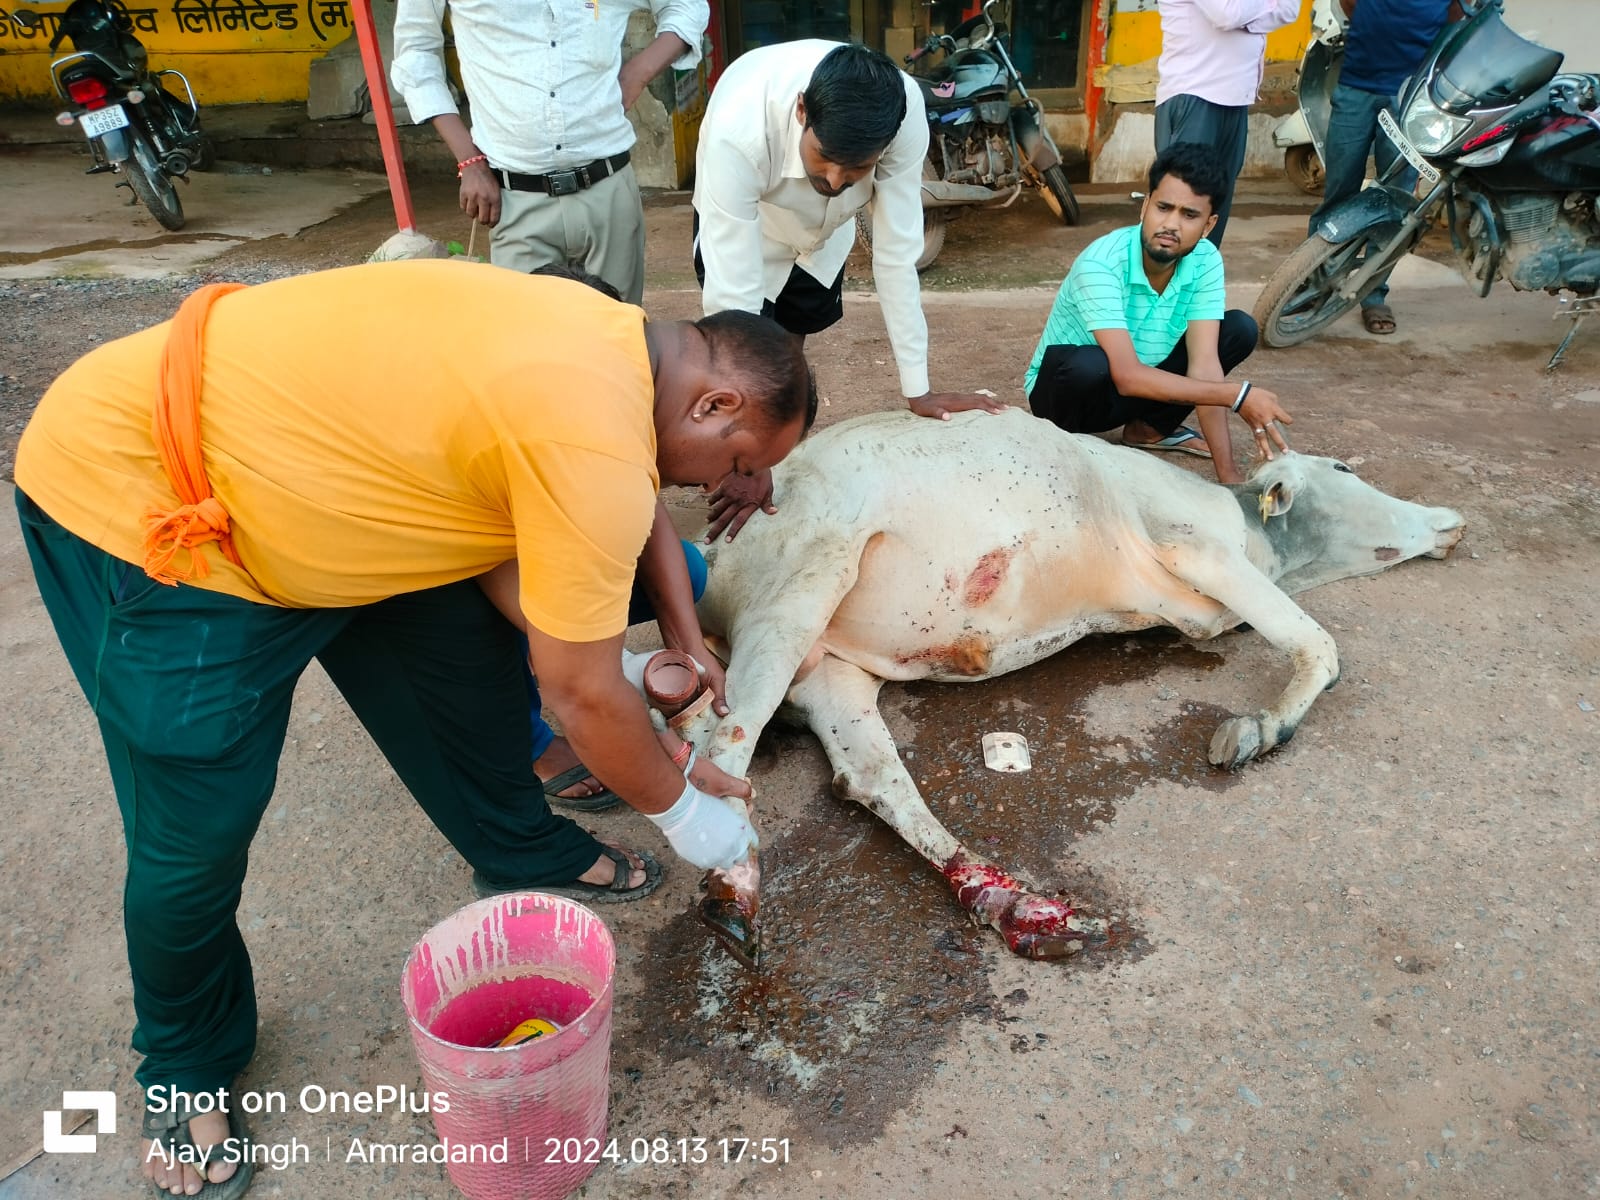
[
  {"x": 715, "y": 678},
  {"x": 1265, "y": 417},
  {"x": 736, "y": 499},
  {"x": 706, "y": 831},
  {"x": 714, "y": 781},
  {"x": 942, "y": 404},
  {"x": 480, "y": 194},
  {"x": 634, "y": 80}
]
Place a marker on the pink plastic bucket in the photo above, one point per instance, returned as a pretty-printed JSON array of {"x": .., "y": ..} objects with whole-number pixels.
[{"x": 472, "y": 979}]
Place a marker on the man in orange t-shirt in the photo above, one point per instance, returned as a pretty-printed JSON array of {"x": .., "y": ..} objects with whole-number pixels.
[{"x": 358, "y": 466}]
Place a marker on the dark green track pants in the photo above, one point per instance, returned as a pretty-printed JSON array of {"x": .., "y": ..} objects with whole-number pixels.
[{"x": 192, "y": 690}]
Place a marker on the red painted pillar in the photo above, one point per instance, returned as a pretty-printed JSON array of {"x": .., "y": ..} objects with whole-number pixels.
[
  {"x": 1093, "y": 93},
  {"x": 383, "y": 112}
]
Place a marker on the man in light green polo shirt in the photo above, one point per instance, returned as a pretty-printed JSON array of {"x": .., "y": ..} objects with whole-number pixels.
[{"x": 1138, "y": 336}]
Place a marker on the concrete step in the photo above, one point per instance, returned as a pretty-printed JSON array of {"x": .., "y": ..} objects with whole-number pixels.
[{"x": 268, "y": 134}]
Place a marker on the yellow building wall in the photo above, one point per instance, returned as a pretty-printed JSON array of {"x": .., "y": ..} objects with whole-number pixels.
[
  {"x": 233, "y": 51},
  {"x": 1133, "y": 44}
]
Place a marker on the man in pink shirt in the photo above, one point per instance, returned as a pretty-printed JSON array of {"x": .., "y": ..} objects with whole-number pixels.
[{"x": 1212, "y": 53}]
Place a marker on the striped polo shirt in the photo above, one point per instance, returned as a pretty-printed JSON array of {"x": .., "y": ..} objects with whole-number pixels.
[{"x": 1107, "y": 289}]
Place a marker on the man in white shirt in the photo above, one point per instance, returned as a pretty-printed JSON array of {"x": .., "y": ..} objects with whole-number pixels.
[
  {"x": 1212, "y": 55},
  {"x": 546, "y": 161},
  {"x": 797, "y": 138}
]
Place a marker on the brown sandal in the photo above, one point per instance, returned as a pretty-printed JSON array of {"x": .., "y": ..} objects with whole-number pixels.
[{"x": 1377, "y": 318}]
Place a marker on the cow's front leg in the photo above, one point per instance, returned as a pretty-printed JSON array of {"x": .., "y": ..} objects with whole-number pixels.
[
  {"x": 840, "y": 703},
  {"x": 1233, "y": 581},
  {"x": 778, "y": 619}
]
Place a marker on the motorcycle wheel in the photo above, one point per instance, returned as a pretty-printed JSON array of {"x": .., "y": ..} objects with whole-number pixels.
[
  {"x": 1058, "y": 195},
  {"x": 1302, "y": 297},
  {"x": 150, "y": 183},
  {"x": 1303, "y": 165},
  {"x": 933, "y": 223}
]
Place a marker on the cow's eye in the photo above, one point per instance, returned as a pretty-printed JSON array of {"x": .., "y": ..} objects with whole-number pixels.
[{"x": 1339, "y": 466}]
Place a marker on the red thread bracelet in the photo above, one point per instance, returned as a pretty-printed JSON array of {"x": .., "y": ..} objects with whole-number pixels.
[
  {"x": 467, "y": 162},
  {"x": 681, "y": 755}
]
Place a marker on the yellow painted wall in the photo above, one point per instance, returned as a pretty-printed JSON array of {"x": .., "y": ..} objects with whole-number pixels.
[
  {"x": 233, "y": 51},
  {"x": 1133, "y": 43}
]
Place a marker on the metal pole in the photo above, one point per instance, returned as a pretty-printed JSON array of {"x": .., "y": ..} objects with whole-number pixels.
[{"x": 383, "y": 112}]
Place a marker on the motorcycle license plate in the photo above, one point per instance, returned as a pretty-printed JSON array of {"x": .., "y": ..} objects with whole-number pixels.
[
  {"x": 103, "y": 120},
  {"x": 1407, "y": 151}
]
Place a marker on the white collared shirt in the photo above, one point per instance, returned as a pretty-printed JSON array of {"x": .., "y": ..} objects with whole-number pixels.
[
  {"x": 759, "y": 215},
  {"x": 1216, "y": 49},
  {"x": 541, "y": 75}
]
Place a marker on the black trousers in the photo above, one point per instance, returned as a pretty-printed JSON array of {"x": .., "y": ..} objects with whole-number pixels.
[
  {"x": 192, "y": 690},
  {"x": 805, "y": 306},
  {"x": 1074, "y": 387},
  {"x": 1225, "y": 128}
]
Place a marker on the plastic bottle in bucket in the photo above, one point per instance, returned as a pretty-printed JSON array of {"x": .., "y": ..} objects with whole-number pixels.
[{"x": 474, "y": 977}]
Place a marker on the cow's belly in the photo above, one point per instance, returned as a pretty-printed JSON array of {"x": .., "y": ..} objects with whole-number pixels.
[{"x": 970, "y": 609}]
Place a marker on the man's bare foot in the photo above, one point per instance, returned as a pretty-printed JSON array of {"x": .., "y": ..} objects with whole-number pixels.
[
  {"x": 206, "y": 1130},
  {"x": 561, "y": 757},
  {"x": 605, "y": 871}
]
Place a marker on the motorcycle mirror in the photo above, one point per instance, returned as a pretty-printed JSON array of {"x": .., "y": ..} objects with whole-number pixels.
[{"x": 26, "y": 18}]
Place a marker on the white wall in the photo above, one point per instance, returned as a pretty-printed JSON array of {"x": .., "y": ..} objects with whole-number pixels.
[{"x": 1571, "y": 26}]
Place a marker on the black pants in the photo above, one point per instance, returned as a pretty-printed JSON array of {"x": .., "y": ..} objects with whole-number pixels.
[
  {"x": 192, "y": 690},
  {"x": 1225, "y": 128},
  {"x": 805, "y": 306},
  {"x": 1074, "y": 387}
]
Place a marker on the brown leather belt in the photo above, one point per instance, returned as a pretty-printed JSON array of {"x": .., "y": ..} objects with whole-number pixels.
[{"x": 564, "y": 183}]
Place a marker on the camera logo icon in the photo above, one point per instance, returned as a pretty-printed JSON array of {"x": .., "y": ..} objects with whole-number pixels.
[{"x": 104, "y": 1107}]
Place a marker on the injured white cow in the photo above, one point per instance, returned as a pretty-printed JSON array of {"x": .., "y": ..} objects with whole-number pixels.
[{"x": 907, "y": 549}]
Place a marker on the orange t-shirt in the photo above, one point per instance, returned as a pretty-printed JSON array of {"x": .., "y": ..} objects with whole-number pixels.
[{"x": 383, "y": 429}]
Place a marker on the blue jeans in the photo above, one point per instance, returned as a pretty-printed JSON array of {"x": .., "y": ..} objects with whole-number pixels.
[
  {"x": 1353, "y": 134},
  {"x": 639, "y": 611}
]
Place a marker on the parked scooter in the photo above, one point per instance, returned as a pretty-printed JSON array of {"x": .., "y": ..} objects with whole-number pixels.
[
  {"x": 983, "y": 146},
  {"x": 1303, "y": 132},
  {"x": 1508, "y": 151},
  {"x": 135, "y": 127}
]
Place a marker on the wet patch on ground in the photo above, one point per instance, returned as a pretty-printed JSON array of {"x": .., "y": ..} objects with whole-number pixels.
[{"x": 870, "y": 966}]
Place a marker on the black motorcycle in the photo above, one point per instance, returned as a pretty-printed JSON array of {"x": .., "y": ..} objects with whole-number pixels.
[
  {"x": 1508, "y": 154},
  {"x": 135, "y": 127},
  {"x": 983, "y": 146}
]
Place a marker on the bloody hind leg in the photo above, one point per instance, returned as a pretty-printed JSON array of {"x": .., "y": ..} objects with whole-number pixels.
[{"x": 840, "y": 702}]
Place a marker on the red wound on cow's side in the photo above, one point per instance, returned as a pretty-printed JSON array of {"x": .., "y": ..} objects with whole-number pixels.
[{"x": 986, "y": 578}]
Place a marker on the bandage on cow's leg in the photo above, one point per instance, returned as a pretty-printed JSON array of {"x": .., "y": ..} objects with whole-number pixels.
[{"x": 1033, "y": 926}]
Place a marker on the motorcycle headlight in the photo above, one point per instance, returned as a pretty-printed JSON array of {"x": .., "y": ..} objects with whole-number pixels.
[{"x": 1430, "y": 129}]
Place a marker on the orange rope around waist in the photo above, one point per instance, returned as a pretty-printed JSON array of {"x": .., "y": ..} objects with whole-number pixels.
[{"x": 199, "y": 517}]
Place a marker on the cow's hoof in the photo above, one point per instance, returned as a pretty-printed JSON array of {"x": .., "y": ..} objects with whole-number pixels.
[
  {"x": 1033, "y": 926},
  {"x": 1236, "y": 742},
  {"x": 1038, "y": 927},
  {"x": 737, "y": 930}
]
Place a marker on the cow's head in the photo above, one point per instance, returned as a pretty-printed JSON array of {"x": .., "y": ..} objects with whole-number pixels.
[{"x": 1324, "y": 523}]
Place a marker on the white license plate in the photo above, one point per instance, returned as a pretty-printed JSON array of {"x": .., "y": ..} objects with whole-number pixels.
[
  {"x": 103, "y": 120},
  {"x": 1407, "y": 151}
]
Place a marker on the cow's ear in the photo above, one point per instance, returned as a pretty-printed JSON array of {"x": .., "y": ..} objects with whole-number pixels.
[{"x": 1275, "y": 500}]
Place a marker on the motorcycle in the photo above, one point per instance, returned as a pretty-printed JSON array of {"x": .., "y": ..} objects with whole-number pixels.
[
  {"x": 1302, "y": 132},
  {"x": 982, "y": 144},
  {"x": 136, "y": 128},
  {"x": 1508, "y": 151}
]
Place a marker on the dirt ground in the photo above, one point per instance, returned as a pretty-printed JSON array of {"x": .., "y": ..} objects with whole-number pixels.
[{"x": 1364, "y": 967}]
